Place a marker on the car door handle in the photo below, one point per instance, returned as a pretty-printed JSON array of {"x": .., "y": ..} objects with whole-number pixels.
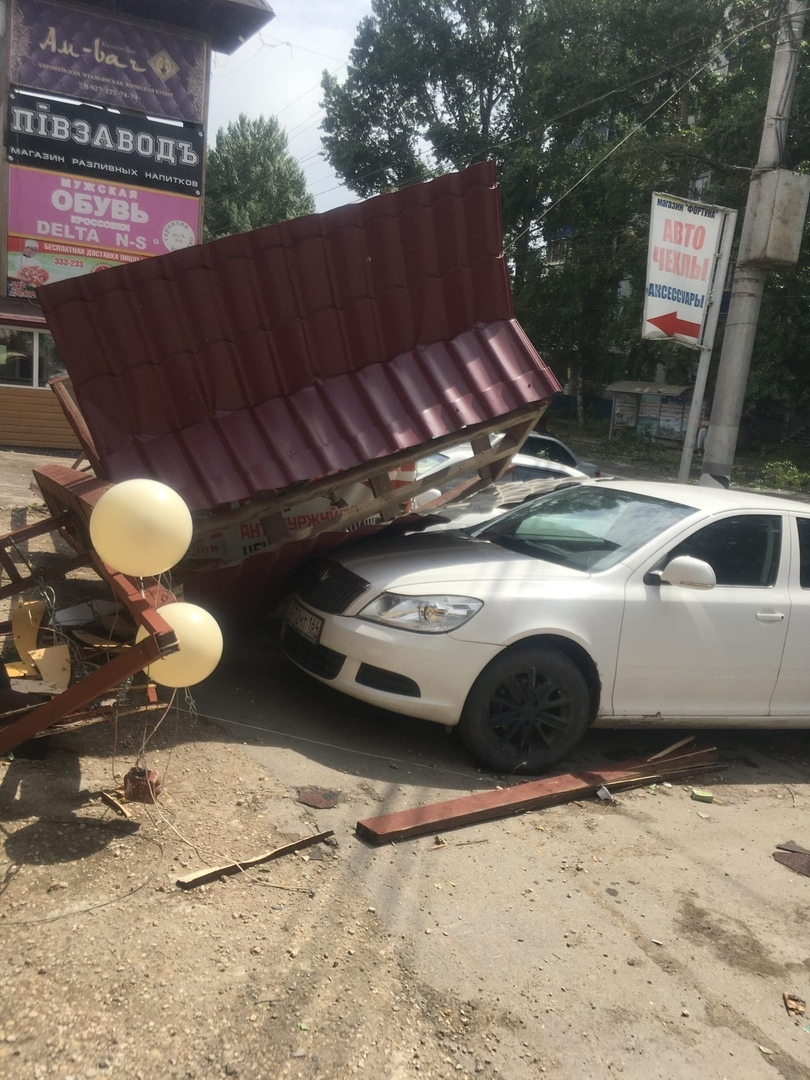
[{"x": 770, "y": 616}]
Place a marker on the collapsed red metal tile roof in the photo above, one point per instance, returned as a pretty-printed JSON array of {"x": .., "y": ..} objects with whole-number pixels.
[{"x": 301, "y": 349}]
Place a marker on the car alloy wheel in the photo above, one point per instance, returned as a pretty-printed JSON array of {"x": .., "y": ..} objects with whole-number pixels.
[{"x": 526, "y": 710}]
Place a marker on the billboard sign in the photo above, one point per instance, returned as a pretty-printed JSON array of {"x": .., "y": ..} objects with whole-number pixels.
[
  {"x": 92, "y": 141},
  {"x": 63, "y": 225},
  {"x": 683, "y": 248},
  {"x": 113, "y": 60}
]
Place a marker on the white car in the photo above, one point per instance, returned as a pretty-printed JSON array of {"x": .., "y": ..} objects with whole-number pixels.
[
  {"x": 548, "y": 448},
  {"x": 617, "y": 603},
  {"x": 523, "y": 467}
]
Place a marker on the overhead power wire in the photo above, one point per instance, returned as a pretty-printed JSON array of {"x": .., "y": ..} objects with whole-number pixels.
[
  {"x": 614, "y": 148},
  {"x": 278, "y": 41},
  {"x": 555, "y": 119},
  {"x": 402, "y": 59},
  {"x": 504, "y": 143},
  {"x": 713, "y": 46}
]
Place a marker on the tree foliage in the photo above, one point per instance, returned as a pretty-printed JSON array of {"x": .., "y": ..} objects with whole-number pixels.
[
  {"x": 251, "y": 179},
  {"x": 588, "y": 106}
]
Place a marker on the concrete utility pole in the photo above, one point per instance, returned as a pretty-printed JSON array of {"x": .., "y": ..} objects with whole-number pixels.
[{"x": 776, "y": 200}]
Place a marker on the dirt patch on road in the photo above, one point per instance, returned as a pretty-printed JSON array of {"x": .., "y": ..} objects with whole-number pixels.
[{"x": 110, "y": 968}]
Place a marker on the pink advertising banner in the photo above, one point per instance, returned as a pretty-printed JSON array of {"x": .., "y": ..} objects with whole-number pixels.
[{"x": 61, "y": 226}]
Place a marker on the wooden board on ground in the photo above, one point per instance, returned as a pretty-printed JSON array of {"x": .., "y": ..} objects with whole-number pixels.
[
  {"x": 532, "y": 795},
  {"x": 212, "y": 873}
]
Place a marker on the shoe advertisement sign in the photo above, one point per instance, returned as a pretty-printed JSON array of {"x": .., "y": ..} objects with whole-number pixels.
[{"x": 63, "y": 225}]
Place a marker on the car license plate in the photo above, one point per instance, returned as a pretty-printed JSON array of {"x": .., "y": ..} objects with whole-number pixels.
[{"x": 307, "y": 624}]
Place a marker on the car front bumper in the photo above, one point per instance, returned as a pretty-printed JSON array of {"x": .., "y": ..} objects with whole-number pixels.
[{"x": 423, "y": 675}]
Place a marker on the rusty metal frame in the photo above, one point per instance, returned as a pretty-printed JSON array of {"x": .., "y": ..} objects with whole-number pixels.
[
  {"x": 71, "y": 497},
  {"x": 19, "y": 582}
]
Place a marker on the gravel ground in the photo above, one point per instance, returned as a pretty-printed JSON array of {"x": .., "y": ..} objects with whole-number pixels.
[{"x": 650, "y": 938}]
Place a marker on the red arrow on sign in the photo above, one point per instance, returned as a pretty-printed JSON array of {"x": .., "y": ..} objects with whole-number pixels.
[{"x": 671, "y": 325}]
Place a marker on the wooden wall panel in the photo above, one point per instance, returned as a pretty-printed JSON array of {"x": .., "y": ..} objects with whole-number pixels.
[{"x": 30, "y": 417}]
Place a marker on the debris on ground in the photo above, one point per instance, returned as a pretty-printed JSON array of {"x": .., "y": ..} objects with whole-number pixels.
[
  {"x": 533, "y": 795},
  {"x": 59, "y": 679},
  {"x": 699, "y": 795},
  {"x": 318, "y": 798},
  {"x": 212, "y": 873},
  {"x": 141, "y": 785},
  {"x": 791, "y": 845},
  {"x": 795, "y": 1005},
  {"x": 114, "y": 803},
  {"x": 798, "y": 861}
]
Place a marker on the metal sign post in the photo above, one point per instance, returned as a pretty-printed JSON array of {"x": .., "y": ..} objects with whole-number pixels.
[
  {"x": 689, "y": 250},
  {"x": 707, "y": 342}
]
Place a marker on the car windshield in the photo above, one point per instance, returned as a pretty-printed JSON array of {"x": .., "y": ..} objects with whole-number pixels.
[{"x": 586, "y": 527}]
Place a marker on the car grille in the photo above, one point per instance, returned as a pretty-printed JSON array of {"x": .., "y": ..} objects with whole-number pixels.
[
  {"x": 316, "y": 659},
  {"x": 328, "y": 586},
  {"x": 390, "y": 681}
]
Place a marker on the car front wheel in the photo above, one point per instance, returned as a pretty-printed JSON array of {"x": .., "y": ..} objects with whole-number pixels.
[{"x": 526, "y": 710}]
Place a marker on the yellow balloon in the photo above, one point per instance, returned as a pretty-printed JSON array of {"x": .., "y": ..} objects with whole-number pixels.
[
  {"x": 200, "y": 640},
  {"x": 141, "y": 527}
]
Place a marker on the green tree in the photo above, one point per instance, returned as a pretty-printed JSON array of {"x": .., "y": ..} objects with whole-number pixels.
[
  {"x": 588, "y": 106},
  {"x": 431, "y": 85},
  {"x": 779, "y": 378},
  {"x": 252, "y": 179}
]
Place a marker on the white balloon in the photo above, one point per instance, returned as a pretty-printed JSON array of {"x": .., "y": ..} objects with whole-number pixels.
[
  {"x": 200, "y": 640},
  {"x": 141, "y": 527}
]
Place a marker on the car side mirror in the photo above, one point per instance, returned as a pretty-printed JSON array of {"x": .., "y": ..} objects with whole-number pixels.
[{"x": 688, "y": 572}]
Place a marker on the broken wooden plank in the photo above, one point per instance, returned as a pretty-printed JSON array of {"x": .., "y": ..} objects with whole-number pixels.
[
  {"x": 212, "y": 873},
  {"x": 488, "y": 805},
  {"x": 671, "y": 749},
  {"x": 266, "y": 505},
  {"x": 114, "y": 804}
]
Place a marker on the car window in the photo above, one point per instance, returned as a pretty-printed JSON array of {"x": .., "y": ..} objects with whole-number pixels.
[
  {"x": 584, "y": 527},
  {"x": 530, "y": 472},
  {"x": 803, "y": 525},
  {"x": 742, "y": 550},
  {"x": 548, "y": 449},
  {"x": 431, "y": 461}
]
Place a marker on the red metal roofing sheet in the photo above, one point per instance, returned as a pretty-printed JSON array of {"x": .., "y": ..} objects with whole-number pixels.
[{"x": 300, "y": 349}]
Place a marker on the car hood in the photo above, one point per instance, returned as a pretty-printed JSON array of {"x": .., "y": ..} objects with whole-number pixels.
[{"x": 445, "y": 560}]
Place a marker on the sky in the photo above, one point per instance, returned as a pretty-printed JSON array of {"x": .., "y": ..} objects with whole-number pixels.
[{"x": 278, "y": 73}]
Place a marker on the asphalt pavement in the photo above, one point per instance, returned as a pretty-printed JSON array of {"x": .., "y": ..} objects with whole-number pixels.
[{"x": 16, "y": 475}]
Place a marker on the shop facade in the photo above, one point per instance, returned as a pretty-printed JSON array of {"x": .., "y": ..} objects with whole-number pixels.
[{"x": 105, "y": 106}]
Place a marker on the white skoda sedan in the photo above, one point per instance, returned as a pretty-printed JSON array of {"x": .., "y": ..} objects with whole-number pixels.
[{"x": 607, "y": 602}]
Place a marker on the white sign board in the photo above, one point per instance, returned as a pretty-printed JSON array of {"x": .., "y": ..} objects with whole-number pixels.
[{"x": 684, "y": 238}]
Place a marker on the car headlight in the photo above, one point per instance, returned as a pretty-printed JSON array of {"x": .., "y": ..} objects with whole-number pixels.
[{"x": 424, "y": 614}]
